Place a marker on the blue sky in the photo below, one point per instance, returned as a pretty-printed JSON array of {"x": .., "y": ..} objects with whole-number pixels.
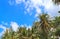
[
  {"x": 13, "y": 13},
  {"x": 23, "y": 12}
]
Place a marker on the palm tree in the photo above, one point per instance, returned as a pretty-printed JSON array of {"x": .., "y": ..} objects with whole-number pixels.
[
  {"x": 41, "y": 28},
  {"x": 56, "y": 22},
  {"x": 36, "y": 30},
  {"x": 5, "y": 35},
  {"x": 55, "y": 25},
  {"x": 57, "y": 33},
  {"x": 29, "y": 33},
  {"x": 56, "y": 1},
  {"x": 22, "y": 33},
  {"x": 44, "y": 24},
  {"x": 12, "y": 33}
]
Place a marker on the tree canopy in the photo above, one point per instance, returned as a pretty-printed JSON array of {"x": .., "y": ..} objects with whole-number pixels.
[{"x": 43, "y": 29}]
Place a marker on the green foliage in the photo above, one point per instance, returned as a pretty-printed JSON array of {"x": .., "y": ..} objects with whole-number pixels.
[
  {"x": 39, "y": 30},
  {"x": 57, "y": 33},
  {"x": 56, "y": 2}
]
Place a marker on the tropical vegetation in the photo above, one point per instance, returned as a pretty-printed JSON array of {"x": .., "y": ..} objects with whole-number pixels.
[{"x": 45, "y": 28}]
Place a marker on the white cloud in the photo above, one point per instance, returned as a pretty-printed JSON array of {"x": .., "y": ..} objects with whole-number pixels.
[
  {"x": 14, "y": 26},
  {"x": 48, "y": 6},
  {"x": 4, "y": 23},
  {"x": 19, "y": 1},
  {"x": 4, "y": 29},
  {"x": 38, "y": 11}
]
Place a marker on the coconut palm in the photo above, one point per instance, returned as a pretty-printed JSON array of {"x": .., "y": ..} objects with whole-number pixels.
[
  {"x": 55, "y": 25},
  {"x": 5, "y": 35},
  {"x": 56, "y": 1},
  {"x": 36, "y": 30},
  {"x": 41, "y": 28},
  {"x": 45, "y": 27},
  {"x": 57, "y": 33},
  {"x": 22, "y": 33},
  {"x": 56, "y": 22},
  {"x": 12, "y": 33}
]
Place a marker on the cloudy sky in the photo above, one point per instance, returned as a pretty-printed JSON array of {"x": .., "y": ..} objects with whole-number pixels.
[{"x": 17, "y": 13}]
